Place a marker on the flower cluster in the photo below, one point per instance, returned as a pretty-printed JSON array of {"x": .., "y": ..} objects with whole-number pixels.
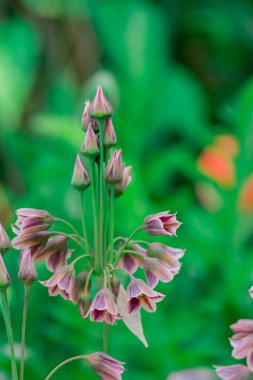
[
  {"x": 109, "y": 263},
  {"x": 242, "y": 343}
]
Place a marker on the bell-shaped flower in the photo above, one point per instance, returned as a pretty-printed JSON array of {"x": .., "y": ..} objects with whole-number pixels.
[
  {"x": 110, "y": 138},
  {"x": 113, "y": 171},
  {"x": 162, "y": 223},
  {"x": 157, "y": 271},
  {"x": 4, "y": 275},
  {"x": 131, "y": 261},
  {"x": 121, "y": 186},
  {"x": 5, "y": 243},
  {"x": 167, "y": 255},
  {"x": 55, "y": 251},
  {"x": 80, "y": 179},
  {"x": 27, "y": 271},
  {"x": 31, "y": 239},
  {"x": 106, "y": 366},
  {"x": 242, "y": 341},
  {"x": 233, "y": 372},
  {"x": 90, "y": 145},
  {"x": 104, "y": 308},
  {"x": 139, "y": 294},
  {"x": 33, "y": 220},
  {"x": 61, "y": 282},
  {"x": 100, "y": 107}
]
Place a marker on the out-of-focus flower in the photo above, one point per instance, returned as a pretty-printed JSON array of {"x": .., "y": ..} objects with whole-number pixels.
[
  {"x": 27, "y": 271},
  {"x": 80, "y": 179},
  {"x": 90, "y": 145},
  {"x": 55, "y": 251},
  {"x": 246, "y": 195},
  {"x": 86, "y": 116},
  {"x": 103, "y": 307},
  {"x": 4, "y": 275},
  {"x": 106, "y": 366},
  {"x": 113, "y": 171},
  {"x": 5, "y": 243},
  {"x": 208, "y": 196},
  {"x": 242, "y": 341},
  {"x": 110, "y": 138},
  {"x": 139, "y": 294},
  {"x": 100, "y": 107},
  {"x": 162, "y": 223},
  {"x": 168, "y": 255},
  {"x": 156, "y": 270},
  {"x": 131, "y": 261},
  {"x": 122, "y": 185},
  {"x": 61, "y": 282},
  {"x": 233, "y": 372},
  {"x": 193, "y": 374}
]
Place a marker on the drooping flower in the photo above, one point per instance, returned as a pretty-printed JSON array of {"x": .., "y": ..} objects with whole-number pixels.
[
  {"x": 113, "y": 171},
  {"x": 103, "y": 307},
  {"x": 162, "y": 223},
  {"x": 106, "y": 366},
  {"x": 139, "y": 294},
  {"x": 233, "y": 372},
  {"x": 122, "y": 185},
  {"x": 242, "y": 341},
  {"x": 80, "y": 179},
  {"x": 55, "y": 251},
  {"x": 90, "y": 145},
  {"x": 31, "y": 239},
  {"x": 27, "y": 271},
  {"x": 100, "y": 107},
  {"x": 131, "y": 261},
  {"x": 158, "y": 271},
  {"x": 61, "y": 282},
  {"x": 4, "y": 275},
  {"x": 168, "y": 255},
  {"x": 5, "y": 243},
  {"x": 110, "y": 138},
  {"x": 29, "y": 217}
]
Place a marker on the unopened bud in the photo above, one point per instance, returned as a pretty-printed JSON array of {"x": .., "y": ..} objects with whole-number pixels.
[
  {"x": 86, "y": 116},
  {"x": 100, "y": 107},
  {"x": 84, "y": 303},
  {"x": 5, "y": 243},
  {"x": 80, "y": 179},
  {"x": 4, "y": 275},
  {"x": 122, "y": 185},
  {"x": 90, "y": 145},
  {"x": 115, "y": 285},
  {"x": 27, "y": 271},
  {"x": 110, "y": 138},
  {"x": 113, "y": 171}
]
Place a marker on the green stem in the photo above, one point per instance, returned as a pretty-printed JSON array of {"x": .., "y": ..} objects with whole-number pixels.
[
  {"x": 83, "y": 222},
  {"x": 22, "y": 355},
  {"x": 79, "y": 258},
  {"x": 63, "y": 363},
  {"x": 120, "y": 253},
  {"x": 67, "y": 224},
  {"x": 95, "y": 218},
  {"x": 7, "y": 320},
  {"x": 88, "y": 279},
  {"x": 101, "y": 194},
  {"x": 68, "y": 236},
  {"x": 111, "y": 223}
]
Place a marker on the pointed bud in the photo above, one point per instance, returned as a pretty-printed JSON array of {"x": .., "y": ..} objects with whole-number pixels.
[
  {"x": 100, "y": 107},
  {"x": 80, "y": 179},
  {"x": 110, "y": 138},
  {"x": 113, "y": 171},
  {"x": 122, "y": 185},
  {"x": 90, "y": 145},
  {"x": 27, "y": 272},
  {"x": 86, "y": 116},
  {"x": 115, "y": 285},
  {"x": 4, "y": 275},
  {"x": 5, "y": 243}
]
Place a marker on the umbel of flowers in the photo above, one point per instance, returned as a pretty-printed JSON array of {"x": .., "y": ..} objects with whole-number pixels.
[{"x": 107, "y": 278}]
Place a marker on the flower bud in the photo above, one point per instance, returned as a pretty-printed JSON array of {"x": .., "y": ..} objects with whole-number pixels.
[
  {"x": 100, "y": 107},
  {"x": 86, "y": 116},
  {"x": 27, "y": 272},
  {"x": 84, "y": 303},
  {"x": 80, "y": 179},
  {"x": 110, "y": 138},
  {"x": 113, "y": 171},
  {"x": 115, "y": 285},
  {"x": 90, "y": 145},
  {"x": 122, "y": 185},
  {"x": 5, "y": 243},
  {"x": 4, "y": 275}
]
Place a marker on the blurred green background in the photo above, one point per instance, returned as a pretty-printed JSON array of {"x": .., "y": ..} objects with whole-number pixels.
[{"x": 178, "y": 74}]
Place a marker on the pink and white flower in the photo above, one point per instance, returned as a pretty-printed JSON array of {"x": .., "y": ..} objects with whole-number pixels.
[
  {"x": 106, "y": 366},
  {"x": 162, "y": 223},
  {"x": 104, "y": 308}
]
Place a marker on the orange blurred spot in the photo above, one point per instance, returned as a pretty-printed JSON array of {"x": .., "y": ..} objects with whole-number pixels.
[
  {"x": 246, "y": 195},
  {"x": 228, "y": 144}
]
